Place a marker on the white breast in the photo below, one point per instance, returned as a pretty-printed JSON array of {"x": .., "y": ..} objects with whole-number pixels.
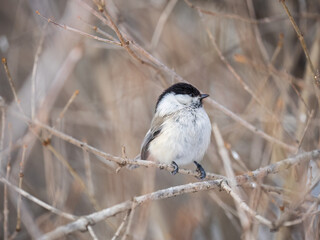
[{"x": 184, "y": 137}]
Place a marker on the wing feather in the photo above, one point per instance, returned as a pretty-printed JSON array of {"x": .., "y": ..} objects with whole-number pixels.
[{"x": 155, "y": 130}]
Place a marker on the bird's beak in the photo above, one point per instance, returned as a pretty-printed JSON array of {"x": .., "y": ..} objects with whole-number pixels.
[{"x": 202, "y": 96}]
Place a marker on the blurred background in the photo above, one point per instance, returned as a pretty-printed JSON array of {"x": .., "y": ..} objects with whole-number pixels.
[{"x": 116, "y": 100}]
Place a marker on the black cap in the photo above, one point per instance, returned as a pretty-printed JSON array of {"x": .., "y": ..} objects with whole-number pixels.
[{"x": 180, "y": 88}]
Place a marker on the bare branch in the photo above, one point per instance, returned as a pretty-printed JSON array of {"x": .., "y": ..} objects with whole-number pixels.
[
  {"x": 38, "y": 201},
  {"x": 71, "y": 29},
  {"x": 34, "y": 72},
  {"x": 13, "y": 89},
  {"x": 18, "y": 225},
  {"x": 278, "y": 166},
  {"x": 83, "y": 222}
]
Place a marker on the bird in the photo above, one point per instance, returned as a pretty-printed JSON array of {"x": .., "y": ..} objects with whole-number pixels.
[{"x": 180, "y": 130}]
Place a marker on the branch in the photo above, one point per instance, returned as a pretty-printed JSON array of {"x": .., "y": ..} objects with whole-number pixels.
[
  {"x": 105, "y": 157},
  {"x": 38, "y": 201},
  {"x": 278, "y": 166},
  {"x": 244, "y": 206},
  {"x": 82, "y": 223},
  {"x": 156, "y": 63}
]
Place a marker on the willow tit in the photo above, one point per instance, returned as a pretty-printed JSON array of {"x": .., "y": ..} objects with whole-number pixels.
[{"x": 180, "y": 129}]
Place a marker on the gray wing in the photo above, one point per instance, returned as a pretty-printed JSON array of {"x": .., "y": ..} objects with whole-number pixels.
[{"x": 155, "y": 130}]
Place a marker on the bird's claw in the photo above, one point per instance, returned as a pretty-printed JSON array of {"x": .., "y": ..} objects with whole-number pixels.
[
  {"x": 175, "y": 168},
  {"x": 200, "y": 170}
]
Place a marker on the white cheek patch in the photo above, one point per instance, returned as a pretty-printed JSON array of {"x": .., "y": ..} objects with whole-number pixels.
[{"x": 184, "y": 99}]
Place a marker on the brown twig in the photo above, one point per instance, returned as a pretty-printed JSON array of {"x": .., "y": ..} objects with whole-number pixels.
[
  {"x": 244, "y": 206},
  {"x": 251, "y": 127},
  {"x": 300, "y": 36},
  {"x": 74, "y": 174},
  {"x": 305, "y": 128},
  {"x": 278, "y": 49},
  {"x": 88, "y": 172},
  {"x": 230, "y": 175},
  {"x": 98, "y": 30},
  {"x": 18, "y": 225},
  {"x": 34, "y": 72},
  {"x": 159, "y": 65},
  {"x": 3, "y": 124},
  {"x": 228, "y": 210},
  {"x": 82, "y": 223},
  {"x": 237, "y": 76},
  {"x": 5, "y": 207},
  {"x": 71, "y": 29},
  {"x": 117, "y": 233},
  {"x": 162, "y": 21},
  {"x": 265, "y": 20},
  {"x": 93, "y": 218},
  {"x": 278, "y": 166},
  {"x": 92, "y": 234},
  {"x": 132, "y": 210},
  {"x": 64, "y": 110},
  {"x": 316, "y": 78},
  {"x": 124, "y": 42},
  {"x": 38, "y": 201},
  {"x": 274, "y": 72},
  {"x": 6, "y": 68}
]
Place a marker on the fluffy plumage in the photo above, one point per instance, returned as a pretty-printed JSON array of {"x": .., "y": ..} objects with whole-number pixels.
[{"x": 180, "y": 130}]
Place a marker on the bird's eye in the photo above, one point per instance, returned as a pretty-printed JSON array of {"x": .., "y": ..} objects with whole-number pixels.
[{"x": 192, "y": 95}]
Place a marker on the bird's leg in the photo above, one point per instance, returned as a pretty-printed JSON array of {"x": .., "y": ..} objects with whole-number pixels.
[
  {"x": 200, "y": 170},
  {"x": 175, "y": 168}
]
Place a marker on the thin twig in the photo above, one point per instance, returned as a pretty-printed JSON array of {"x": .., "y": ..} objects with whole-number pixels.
[
  {"x": 98, "y": 30},
  {"x": 71, "y": 29},
  {"x": 38, "y": 201},
  {"x": 34, "y": 72},
  {"x": 270, "y": 68},
  {"x": 256, "y": 31},
  {"x": 3, "y": 124},
  {"x": 265, "y": 20},
  {"x": 105, "y": 157},
  {"x": 251, "y": 127},
  {"x": 162, "y": 21},
  {"x": 87, "y": 167},
  {"x": 124, "y": 42},
  {"x": 316, "y": 77},
  {"x": 74, "y": 174},
  {"x": 306, "y": 128},
  {"x": 311, "y": 211},
  {"x": 61, "y": 115},
  {"x": 278, "y": 166},
  {"x": 224, "y": 15},
  {"x": 83, "y": 222},
  {"x": 5, "y": 65},
  {"x": 278, "y": 49},
  {"x": 132, "y": 210},
  {"x": 230, "y": 174},
  {"x": 64, "y": 110},
  {"x": 286, "y": 216},
  {"x": 117, "y": 233},
  {"x": 237, "y": 76},
  {"x": 159, "y": 65},
  {"x": 300, "y": 36},
  {"x": 92, "y": 234},
  {"x": 18, "y": 225},
  {"x": 5, "y": 207},
  {"x": 244, "y": 206},
  {"x": 227, "y": 209}
]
